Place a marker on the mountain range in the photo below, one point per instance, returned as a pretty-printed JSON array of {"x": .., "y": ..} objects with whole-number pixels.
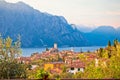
[
  {"x": 83, "y": 28},
  {"x": 39, "y": 29},
  {"x": 101, "y": 35}
]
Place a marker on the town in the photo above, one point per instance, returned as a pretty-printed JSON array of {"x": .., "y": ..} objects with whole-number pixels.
[
  {"x": 70, "y": 64},
  {"x": 59, "y": 39},
  {"x": 103, "y": 63}
]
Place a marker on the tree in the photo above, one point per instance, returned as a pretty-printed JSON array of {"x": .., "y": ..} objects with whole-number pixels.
[
  {"x": 92, "y": 72},
  {"x": 100, "y": 52},
  {"x": 66, "y": 75},
  {"x": 41, "y": 74},
  {"x": 82, "y": 57},
  {"x": 114, "y": 67},
  {"x": 109, "y": 43},
  {"x": 9, "y": 53},
  {"x": 78, "y": 75},
  {"x": 115, "y": 43},
  {"x": 64, "y": 69}
]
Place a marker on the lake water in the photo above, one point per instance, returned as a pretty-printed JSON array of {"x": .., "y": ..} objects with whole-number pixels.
[{"x": 29, "y": 51}]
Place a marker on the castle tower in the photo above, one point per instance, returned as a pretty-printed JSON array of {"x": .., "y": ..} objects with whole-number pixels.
[{"x": 55, "y": 45}]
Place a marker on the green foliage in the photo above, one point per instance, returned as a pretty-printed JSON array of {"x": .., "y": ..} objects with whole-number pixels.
[
  {"x": 100, "y": 53},
  {"x": 57, "y": 76},
  {"x": 115, "y": 67},
  {"x": 9, "y": 52},
  {"x": 112, "y": 68},
  {"x": 92, "y": 72},
  {"x": 82, "y": 57},
  {"x": 78, "y": 75},
  {"x": 115, "y": 43},
  {"x": 64, "y": 69},
  {"x": 41, "y": 74},
  {"x": 66, "y": 75},
  {"x": 12, "y": 70},
  {"x": 105, "y": 55}
]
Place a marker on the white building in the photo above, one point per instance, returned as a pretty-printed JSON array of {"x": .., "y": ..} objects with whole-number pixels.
[{"x": 76, "y": 67}]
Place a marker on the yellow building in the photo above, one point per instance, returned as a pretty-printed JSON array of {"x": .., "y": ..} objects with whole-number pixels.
[
  {"x": 48, "y": 66},
  {"x": 53, "y": 65}
]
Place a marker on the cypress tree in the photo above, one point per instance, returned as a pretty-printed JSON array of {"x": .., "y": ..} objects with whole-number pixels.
[{"x": 109, "y": 43}]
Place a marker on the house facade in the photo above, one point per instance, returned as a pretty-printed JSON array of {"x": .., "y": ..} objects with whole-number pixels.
[
  {"x": 76, "y": 67},
  {"x": 54, "y": 66}
]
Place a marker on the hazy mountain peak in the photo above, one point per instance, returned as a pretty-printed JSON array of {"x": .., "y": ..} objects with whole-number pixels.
[
  {"x": 63, "y": 19},
  {"x": 19, "y": 6},
  {"x": 36, "y": 28},
  {"x": 104, "y": 29},
  {"x": 108, "y": 27},
  {"x": 83, "y": 28},
  {"x": 22, "y": 4}
]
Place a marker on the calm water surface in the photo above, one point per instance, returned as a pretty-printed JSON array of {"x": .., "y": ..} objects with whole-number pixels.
[{"x": 29, "y": 51}]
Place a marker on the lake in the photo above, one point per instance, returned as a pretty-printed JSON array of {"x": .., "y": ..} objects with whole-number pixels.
[{"x": 28, "y": 51}]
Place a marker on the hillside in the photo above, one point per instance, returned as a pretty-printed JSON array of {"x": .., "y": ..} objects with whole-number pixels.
[
  {"x": 39, "y": 29},
  {"x": 36, "y": 28}
]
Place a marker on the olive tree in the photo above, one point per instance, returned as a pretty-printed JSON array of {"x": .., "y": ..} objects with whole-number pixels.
[{"x": 9, "y": 53}]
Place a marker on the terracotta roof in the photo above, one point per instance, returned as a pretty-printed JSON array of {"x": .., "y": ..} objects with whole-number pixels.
[
  {"x": 57, "y": 62},
  {"x": 77, "y": 64},
  {"x": 25, "y": 59}
]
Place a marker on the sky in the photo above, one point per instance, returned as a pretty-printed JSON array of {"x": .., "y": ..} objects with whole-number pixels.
[{"x": 81, "y": 12}]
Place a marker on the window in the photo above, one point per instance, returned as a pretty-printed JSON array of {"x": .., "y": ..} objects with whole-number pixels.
[
  {"x": 78, "y": 69},
  {"x": 72, "y": 68}
]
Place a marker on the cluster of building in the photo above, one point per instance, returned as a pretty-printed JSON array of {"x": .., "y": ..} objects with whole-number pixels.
[{"x": 56, "y": 60}]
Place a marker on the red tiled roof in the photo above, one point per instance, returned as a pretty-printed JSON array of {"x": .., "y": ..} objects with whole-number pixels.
[
  {"x": 25, "y": 59},
  {"x": 91, "y": 55},
  {"x": 77, "y": 64},
  {"x": 57, "y": 62}
]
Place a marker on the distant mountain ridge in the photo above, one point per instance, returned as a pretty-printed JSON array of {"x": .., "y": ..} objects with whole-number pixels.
[
  {"x": 102, "y": 34},
  {"x": 82, "y": 28},
  {"x": 37, "y": 28}
]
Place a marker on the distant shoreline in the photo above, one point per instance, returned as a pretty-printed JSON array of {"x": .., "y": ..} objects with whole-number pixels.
[{"x": 29, "y": 51}]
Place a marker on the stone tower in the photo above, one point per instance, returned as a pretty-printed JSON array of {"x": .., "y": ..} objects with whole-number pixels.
[{"x": 55, "y": 45}]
